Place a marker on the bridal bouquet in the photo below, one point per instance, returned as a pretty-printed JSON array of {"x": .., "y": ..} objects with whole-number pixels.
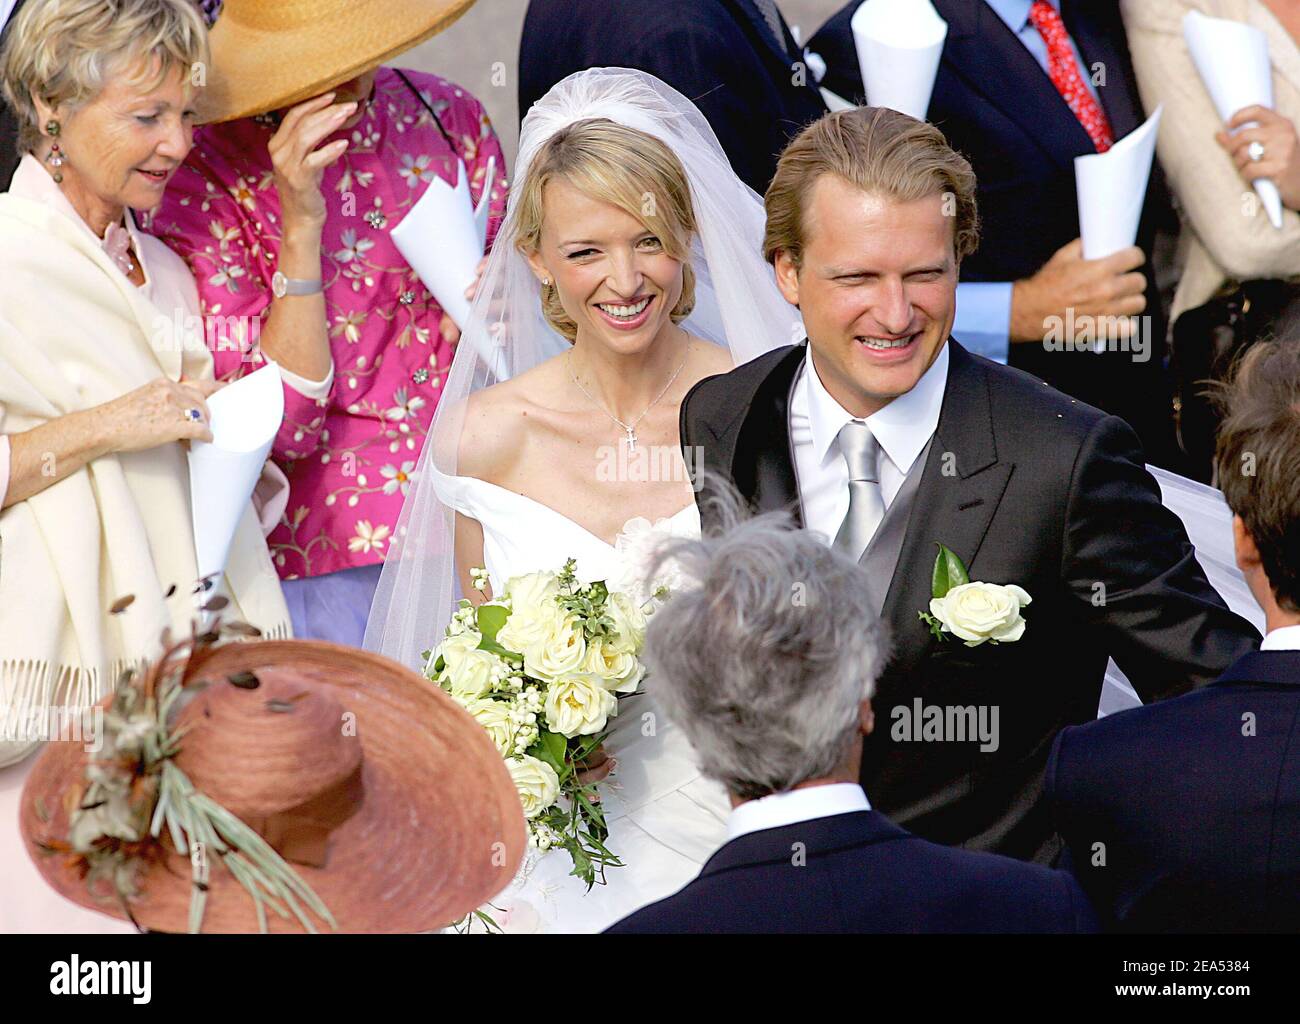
[{"x": 541, "y": 668}]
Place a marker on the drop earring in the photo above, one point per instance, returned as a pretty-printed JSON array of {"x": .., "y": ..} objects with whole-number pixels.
[{"x": 56, "y": 158}]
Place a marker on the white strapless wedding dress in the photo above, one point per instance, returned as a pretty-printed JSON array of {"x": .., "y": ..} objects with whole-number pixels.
[{"x": 664, "y": 818}]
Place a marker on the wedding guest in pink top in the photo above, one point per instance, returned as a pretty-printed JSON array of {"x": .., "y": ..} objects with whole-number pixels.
[{"x": 312, "y": 190}]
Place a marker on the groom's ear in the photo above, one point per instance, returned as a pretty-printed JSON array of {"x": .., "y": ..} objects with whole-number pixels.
[{"x": 787, "y": 275}]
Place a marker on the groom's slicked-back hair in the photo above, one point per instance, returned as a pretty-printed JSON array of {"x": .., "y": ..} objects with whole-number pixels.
[
  {"x": 1258, "y": 457},
  {"x": 880, "y": 151}
]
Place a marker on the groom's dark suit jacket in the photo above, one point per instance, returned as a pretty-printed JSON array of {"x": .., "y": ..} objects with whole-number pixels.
[
  {"x": 1027, "y": 486},
  {"x": 859, "y": 872},
  {"x": 1185, "y": 816}
]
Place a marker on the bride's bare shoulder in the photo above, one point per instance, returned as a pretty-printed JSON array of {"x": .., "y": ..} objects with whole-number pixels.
[
  {"x": 710, "y": 359},
  {"x": 706, "y": 360},
  {"x": 498, "y": 420}
]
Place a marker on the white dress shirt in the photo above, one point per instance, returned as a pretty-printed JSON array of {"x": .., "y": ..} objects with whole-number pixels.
[
  {"x": 781, "y": 809},
  {"x": 902, "y": 428},
  {"x": 1284, "y": 638}
]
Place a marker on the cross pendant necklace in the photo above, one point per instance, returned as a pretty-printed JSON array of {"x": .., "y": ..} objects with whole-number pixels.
[{"x": 628, "y": 428}]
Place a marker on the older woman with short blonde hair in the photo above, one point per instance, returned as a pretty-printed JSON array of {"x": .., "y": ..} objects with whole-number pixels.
[{"x": 100, "y": 384}]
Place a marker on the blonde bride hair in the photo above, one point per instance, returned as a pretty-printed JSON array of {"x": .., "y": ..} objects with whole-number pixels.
[{"x": 621, "y": 166}]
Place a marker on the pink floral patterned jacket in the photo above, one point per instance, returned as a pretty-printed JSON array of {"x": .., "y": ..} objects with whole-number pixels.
[{"x": 349, "y": 444}]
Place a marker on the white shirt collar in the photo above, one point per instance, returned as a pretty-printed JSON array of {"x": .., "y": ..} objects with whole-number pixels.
[
  {"x": 790, "y": 808},
  {"x": 1284, "y": 638},
  {"x": 902, "y": 428}
]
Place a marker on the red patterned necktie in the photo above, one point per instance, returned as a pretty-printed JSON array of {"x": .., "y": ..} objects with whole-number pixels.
[{"x": 1064, "y": 73}]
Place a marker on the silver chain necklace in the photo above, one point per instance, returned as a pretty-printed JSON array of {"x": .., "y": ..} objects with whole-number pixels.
[{"x": 628, "y": 428}]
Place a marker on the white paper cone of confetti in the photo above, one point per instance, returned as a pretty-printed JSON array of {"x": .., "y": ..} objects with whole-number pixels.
[{"x": 899, "y": 43}]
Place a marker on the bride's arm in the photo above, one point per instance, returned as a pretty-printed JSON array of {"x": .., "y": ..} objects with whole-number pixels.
[{"x": 469, "y": 555}]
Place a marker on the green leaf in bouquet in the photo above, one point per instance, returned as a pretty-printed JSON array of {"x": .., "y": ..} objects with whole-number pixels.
[
  {"x": 582, "y": 866},
  {"x": 490, "y": 618},
  {"x": 948, "y": 572},
  {"x": 550, "y": 747}
]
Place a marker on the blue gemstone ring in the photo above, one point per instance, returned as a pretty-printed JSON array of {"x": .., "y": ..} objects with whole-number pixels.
[{"x": 194, "y": 414}]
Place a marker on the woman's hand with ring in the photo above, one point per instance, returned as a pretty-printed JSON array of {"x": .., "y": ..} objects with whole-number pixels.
[
  {"x": 158, "y": 413},
  {"x": 1268, "y": 148}
]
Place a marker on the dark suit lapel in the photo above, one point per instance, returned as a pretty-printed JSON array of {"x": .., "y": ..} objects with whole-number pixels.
[
  {"x": 962, "y": 484},
  {"x": 747, "y": 11},
  {"x": 985, "y": 53},
  {"x": 762, "y": 463},
  {"x": 1098, "y": 45}
]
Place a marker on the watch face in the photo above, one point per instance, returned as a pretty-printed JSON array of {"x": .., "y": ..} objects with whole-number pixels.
[{"x": 278, "y": 284}]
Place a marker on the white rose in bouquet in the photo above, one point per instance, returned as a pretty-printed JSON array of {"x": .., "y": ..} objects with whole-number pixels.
[
  {"x": 978, "y": 612},
  {"x": 536, "y": 782},
  {"x": 456, "y": 645},
  {"x": 494, "y": 716},
  {"x": 629, "y": 621},
  {"x": 469, "y": 674},
  {"x": 532, "y": 589},
  {"x": 560, "y": 654},
  {"x": 533, "y": 611},
  {"x": 620, "y": 669},
  {"x": 578, "y": 705}
]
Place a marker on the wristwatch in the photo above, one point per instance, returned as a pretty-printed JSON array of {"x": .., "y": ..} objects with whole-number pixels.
[{"x": 282, "y": 286}]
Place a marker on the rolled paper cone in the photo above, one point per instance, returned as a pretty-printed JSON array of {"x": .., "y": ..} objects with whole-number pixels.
[
  {"x": 440, "y": 238},
  {"x": 1232, "y": 60},
  {"x": 834, "y": 101},
  {"x": 899, "y": 43},
  {"x": 1111, "y": 188},
  {"x": 245, "y": 417}
]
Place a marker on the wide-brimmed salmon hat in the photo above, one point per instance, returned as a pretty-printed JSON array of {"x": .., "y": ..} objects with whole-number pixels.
[
  {"x": 389, "y": 801},
  {"x": 270, "y": 54}
]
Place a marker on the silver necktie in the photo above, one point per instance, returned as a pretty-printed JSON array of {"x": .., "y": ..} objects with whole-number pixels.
[
  {"x": 772, "y": 16},
  {"x": 866, "y": 503}
]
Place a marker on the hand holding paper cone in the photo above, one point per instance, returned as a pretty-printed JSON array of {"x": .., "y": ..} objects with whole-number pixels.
[
  {"x": 1232, "y": 60},
  {"x": 245, "y": 417}
]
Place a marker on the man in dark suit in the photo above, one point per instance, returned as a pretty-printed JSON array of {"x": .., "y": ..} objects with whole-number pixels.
[
  {"x": 884, "y": 434},
  {"x": 1185, "y": 816},
  {"x": 735, "y": 59},
  {"x": 767, "y": 666},
  {"x": 998, "y": 100}
]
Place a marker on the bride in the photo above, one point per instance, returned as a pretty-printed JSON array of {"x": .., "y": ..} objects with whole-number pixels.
[{"x": 629, "y": 268}]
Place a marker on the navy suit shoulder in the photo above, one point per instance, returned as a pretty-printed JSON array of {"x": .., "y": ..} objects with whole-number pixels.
[
  {"x": 857, "y": 873},
  {"x": 1143, "y": 798}
]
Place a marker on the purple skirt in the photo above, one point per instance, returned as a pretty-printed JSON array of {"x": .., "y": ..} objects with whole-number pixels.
[{"x": 332, "y": 607}]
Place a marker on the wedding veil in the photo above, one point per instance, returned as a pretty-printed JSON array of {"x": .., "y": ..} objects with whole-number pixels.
[{"x": 737, "y": 305}]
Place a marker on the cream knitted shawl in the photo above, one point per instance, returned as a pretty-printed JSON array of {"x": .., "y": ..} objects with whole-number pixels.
[{"x": 74, "y": 333}]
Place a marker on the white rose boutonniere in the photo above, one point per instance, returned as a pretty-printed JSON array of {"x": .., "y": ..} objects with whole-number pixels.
[{"x": 972, "y": 611}]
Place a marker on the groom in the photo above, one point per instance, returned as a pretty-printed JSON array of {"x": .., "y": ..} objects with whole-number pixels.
[{"x": 887, "y": 437}]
